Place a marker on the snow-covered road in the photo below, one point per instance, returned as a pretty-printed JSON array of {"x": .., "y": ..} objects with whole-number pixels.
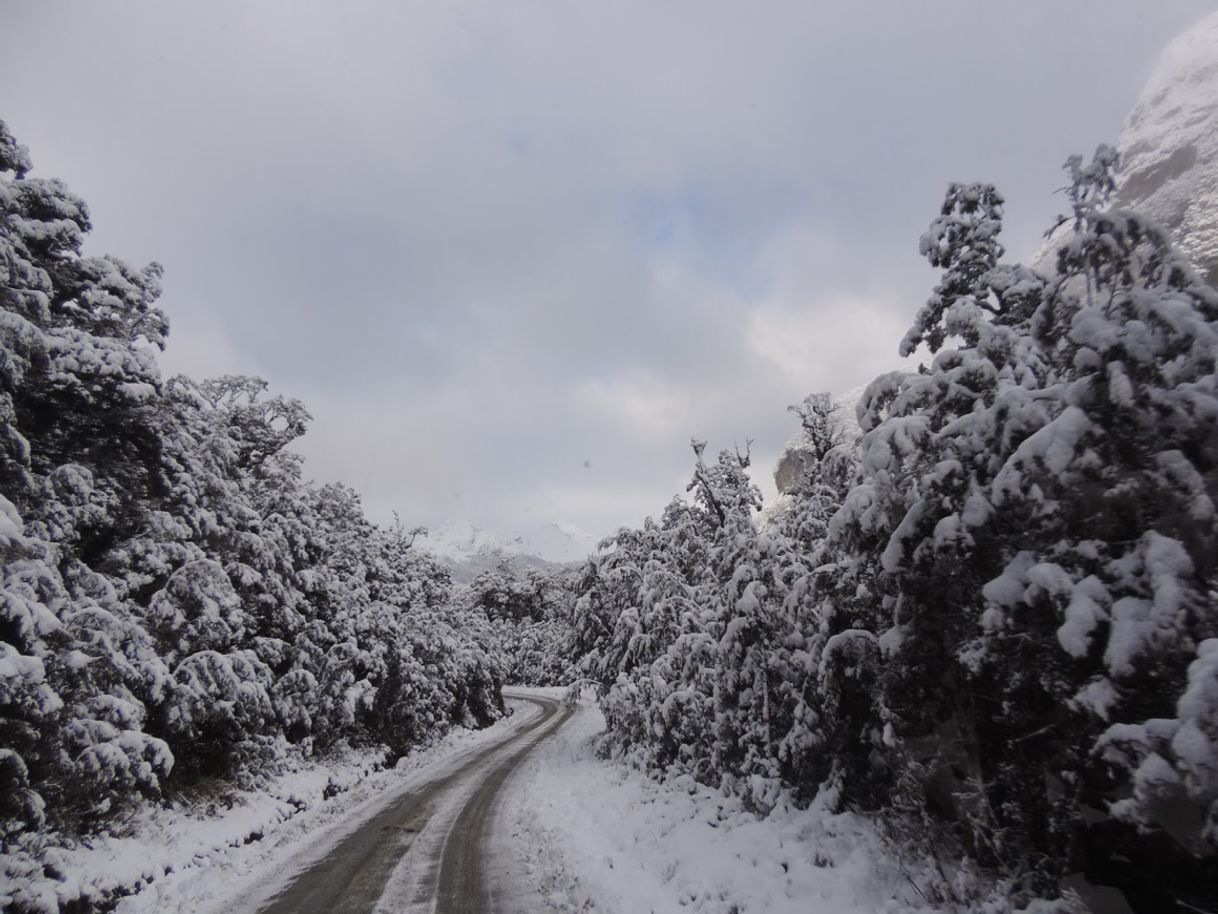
[
  {"x": 425, "y": 850},
  {"x": 337, "y": 838}
]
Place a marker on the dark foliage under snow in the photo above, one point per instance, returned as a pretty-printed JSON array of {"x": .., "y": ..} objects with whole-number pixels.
[
  {"x": 992, "y": 623},
  {"x": 177, "y": 602}
]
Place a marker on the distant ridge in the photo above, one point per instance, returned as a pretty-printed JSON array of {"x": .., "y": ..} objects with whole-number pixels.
[{"x": 468, "y": 549}]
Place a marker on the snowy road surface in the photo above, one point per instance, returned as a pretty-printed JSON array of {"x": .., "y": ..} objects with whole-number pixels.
[{"x": 429, "y": 849}]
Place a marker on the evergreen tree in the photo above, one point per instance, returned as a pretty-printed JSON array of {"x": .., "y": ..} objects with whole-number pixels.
[{"x": 177, "y": 602}]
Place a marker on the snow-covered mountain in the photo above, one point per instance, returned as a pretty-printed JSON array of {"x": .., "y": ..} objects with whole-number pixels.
[
  {"x": 1169, "y": 145},
  {"x": 554, "y": 542},
  {"x": 1169, "y": 150},
  {"x": 469, "y": 548}
]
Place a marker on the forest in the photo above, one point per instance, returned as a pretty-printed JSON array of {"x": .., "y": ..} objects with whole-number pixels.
[
  {"x": 983, "y": 616},
  {"x": 179, "y": 605}
]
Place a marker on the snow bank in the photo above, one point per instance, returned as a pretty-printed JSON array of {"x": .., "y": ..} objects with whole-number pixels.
[{"x": 600, "y": 837}]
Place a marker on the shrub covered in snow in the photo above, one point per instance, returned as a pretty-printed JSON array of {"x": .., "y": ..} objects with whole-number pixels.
[
  {"x": 526, "y": 613},
  {"x": 993, "y": 624},
  {"x": 176, "y": 602}
]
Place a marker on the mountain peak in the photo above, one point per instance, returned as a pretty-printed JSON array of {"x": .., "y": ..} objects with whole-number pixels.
[{"x": 555, "y": 541}]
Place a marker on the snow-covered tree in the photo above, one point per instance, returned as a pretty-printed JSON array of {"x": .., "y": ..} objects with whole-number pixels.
[
  {"x": 1025, "y": 570},
  {"x": 993, "y": 625},
  {"x": 177, "y": 602}
]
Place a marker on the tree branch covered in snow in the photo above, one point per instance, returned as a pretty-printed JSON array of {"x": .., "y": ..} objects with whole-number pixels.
[
  {"x": 992, "y": 626},
  {"x": 177, "y": 604}
]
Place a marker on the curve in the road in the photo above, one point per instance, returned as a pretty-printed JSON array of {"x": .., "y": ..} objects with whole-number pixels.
[
  {"x": 353, "y": 876},
  {"x": 462, "y": 886}
]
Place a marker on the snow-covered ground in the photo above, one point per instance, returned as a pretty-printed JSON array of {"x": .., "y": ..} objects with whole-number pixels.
[
  {"x": 601, "y": 837},
  {"x": 213, "y": 856},
  {"x": 588, "y": 834}
]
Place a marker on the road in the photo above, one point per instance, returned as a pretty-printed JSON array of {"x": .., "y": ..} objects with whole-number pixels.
[{"x": 427, "y": 851}]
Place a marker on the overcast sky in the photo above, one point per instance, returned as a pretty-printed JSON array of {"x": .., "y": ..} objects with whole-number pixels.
[{"x": 512, "y": 255}]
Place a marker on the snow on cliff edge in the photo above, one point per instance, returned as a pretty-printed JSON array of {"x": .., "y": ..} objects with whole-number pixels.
[{"x": 1169, "y": 145}]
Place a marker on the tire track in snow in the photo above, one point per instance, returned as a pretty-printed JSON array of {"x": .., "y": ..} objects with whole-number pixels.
[
  {"x": 463, "y": 886},
  {"x": 353, "y": 876}
]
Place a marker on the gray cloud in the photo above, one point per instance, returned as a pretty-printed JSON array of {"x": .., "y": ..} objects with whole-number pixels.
[{"x": 490, "y": 243}]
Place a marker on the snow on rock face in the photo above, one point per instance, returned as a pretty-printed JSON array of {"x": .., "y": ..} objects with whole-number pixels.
[
  {"x": 796, "y": 458},
  {"x": 1169, "y": 145},
  {"x": 1169, "y": 152}
]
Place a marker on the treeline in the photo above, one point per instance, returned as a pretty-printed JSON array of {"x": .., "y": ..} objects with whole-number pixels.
[
  {"x": 178, "y": 603},
  {"x": 991, "y": 622},
  {"x": 529, "y": 613}
]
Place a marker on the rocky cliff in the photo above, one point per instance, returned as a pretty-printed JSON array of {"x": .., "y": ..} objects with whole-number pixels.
[{"x": 1169, "y": 145}]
